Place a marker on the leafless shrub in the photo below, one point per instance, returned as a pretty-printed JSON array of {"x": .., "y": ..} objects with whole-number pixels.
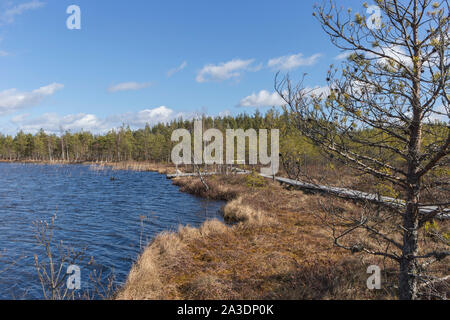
[{"x": 52, "y": 268}]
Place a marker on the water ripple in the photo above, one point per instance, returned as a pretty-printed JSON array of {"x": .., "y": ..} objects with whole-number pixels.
[{"x": 92, "y": 211}]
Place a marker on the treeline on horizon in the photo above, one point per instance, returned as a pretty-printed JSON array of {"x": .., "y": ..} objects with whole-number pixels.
[{"x": 152, "y": 143}]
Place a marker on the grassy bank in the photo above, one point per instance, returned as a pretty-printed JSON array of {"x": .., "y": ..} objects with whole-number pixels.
[
  {"x": 275, "y": 247},
  {"x": 161, "y": 168}
]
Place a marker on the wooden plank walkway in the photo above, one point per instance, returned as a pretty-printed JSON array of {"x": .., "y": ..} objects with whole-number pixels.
[
  {"x": 358, "y": 195},
  {"x": 204, "y": 174},
  {"x": 339, "y": 192},
  {"x": 182, "y": 175}
]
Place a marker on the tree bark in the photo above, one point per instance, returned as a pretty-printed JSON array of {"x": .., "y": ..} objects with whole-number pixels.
[
  {"x": 408, "y": 265},
  {"x": 408, "y": 262},
  {"x": 408, "y": 288}
]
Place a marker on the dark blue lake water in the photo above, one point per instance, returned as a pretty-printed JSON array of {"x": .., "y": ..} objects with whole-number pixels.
[{"x": 92, "y": 211}]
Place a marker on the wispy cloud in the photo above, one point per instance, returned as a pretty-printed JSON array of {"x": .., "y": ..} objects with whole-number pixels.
[
  {"x": 291, "y": 62},
  {"x": 129, "y": 86},
  {"x": 10, "y": 13},
  {"x": 171, "y": 72},
  {"x": 12, "y": 100},
  {"x": 440, "y": 113},
  {"x": 141, "y": 118},
  {"x": 318, "y": 91},
  {"x": 265, "y": 98},
  {"x": 225, "y": 70},
  {"x": 343, "y": 55},
  {"x": 262, "y": 99},
  {"x": 397, "y": 53},
  {"x": 54, "y": 123}
]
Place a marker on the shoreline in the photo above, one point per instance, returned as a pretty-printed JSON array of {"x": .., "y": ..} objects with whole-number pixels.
[
  {"x": 252, "y": 255},
  {"x": 270, "y": 246},
  {"x": 161, "y": 168}
]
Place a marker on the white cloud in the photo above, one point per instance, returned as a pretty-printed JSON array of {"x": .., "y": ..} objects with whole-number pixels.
[
  {"x": 267, "y": 99},
  {"x": 440, "y": 113},
  {"x": 20, "y": 118},
  {"x": 319, "y": 91},
  {"x": 396, "y": 52},
  {"x": 224, "y": 70},
  {"x": 262, "y": 99},
  {"x": 12, "y": 100},
  {"x": 291, "y": 62},
  {"x": 171, "y": 72},
  {"x": 54, "y": 123},
  {"x": 129, "y": 86},
  {"x": 225, "y": 113},
  {"x": 9, "y": 14},
  {"x": 141, "y": 118},
  {"x": 343, "y": 55}
]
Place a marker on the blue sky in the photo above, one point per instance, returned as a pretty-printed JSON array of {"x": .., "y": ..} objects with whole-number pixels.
[{"x": 141, "y": 61}]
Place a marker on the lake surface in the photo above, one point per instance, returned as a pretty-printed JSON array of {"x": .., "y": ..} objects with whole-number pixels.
[{"x": 93, "y": 211}]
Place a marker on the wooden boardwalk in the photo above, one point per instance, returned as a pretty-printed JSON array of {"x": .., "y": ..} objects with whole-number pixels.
[
  {"x": 358, "y": 195},
  {"x": 339, "y": 192},
  {"x": 204, "y": 174},
  {"x": 182, "y": 175}
]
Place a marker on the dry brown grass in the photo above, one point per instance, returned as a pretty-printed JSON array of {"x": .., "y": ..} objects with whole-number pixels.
[
  {"x": 237, "y": 211},
  {"x": 277, "y": 249},
  {"x": 221, "y": 187},
  {"x": 161, "y": 168}
]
